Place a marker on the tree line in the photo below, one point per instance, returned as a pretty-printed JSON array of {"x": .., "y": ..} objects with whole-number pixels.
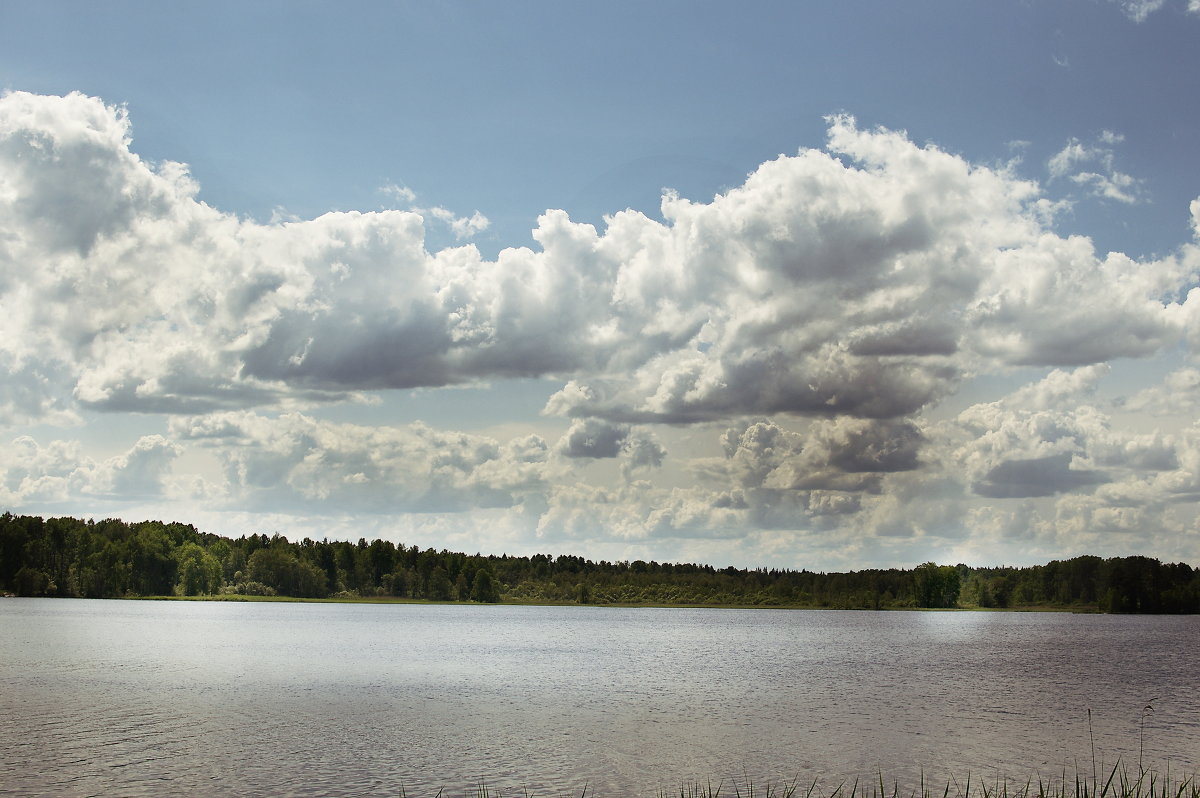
[{"x": 113, "y": 558}]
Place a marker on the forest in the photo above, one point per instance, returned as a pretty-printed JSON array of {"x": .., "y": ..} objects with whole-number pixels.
[{"x": 111, "y": 558}]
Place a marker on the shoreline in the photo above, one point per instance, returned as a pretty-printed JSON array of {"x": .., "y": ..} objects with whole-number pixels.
[{"x": 235, "y": 597}]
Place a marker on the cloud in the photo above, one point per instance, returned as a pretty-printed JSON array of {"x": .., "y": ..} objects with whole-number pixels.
[
  {"x": 843, "y": 491},
  {"x": 1177, "y": 394},
  {"x": 864, "y": 291},
  {"x": 1034, "y": 442},
  {"x": 845, "y": 455},
  {"x": 794, "y": 331},
  {"x": 1045, "y": 439},
  {"x": 1108, "y": 183},
  {"x": 1057, "y": 389},
  {"x": 638, "y": 448},
  {"x": 401, "y": 194},
  {"x": 35, "y": 475},
  {"x": 864, "y": 280},
  {"x": 593, "y": 438},
  {"x": 1120, "y": 317},
  {"x": 462, "y": 226},
  {"x": 1139, "y": 10},
  {"x": 1035, "y": 476},
  {"x": 642, "y": 452},
  {"x": 294, "y": 460}
]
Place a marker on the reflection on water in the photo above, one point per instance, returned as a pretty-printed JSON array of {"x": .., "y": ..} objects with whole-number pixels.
[{"x": 154, "y": 698}]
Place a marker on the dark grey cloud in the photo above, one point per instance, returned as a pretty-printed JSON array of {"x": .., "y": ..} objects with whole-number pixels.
[
  {"x": 879, "y": 447},
  {"x": 594, "y": 438},
  {"x": 372, "y": 351},
  {"x": 915, "y": 337},
  {"x": 643, "y": 451},
  {"x": 1039, "y": 476},
  {"x": 846, "y": 455}
]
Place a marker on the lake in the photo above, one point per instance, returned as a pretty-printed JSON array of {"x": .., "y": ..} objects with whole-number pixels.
[{"x": 149, "y": 698}]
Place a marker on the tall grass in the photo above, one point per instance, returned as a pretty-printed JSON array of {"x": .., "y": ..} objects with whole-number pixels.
[{"x": 1119, "y": 782}]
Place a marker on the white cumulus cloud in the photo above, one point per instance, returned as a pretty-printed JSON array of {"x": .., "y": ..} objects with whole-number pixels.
[
  {"x": 861, "y": 280},
  {"x": 802, "y": 324},
  {"x": 294, "y": 460}
]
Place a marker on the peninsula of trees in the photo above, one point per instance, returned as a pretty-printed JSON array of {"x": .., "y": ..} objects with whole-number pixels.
[{"x": 112, "y": 558}]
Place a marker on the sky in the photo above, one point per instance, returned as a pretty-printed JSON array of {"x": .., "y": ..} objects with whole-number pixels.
[{"x": 830, "y": 285}]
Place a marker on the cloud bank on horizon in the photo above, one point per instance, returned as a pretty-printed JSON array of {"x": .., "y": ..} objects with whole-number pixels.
[{"x": 764, "y": 378}]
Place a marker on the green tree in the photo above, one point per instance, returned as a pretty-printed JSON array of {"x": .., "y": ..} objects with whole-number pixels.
[
  {"x": 64, "y": 538},
  {"x": 199, "y": 571},
  {"x": 985, "y": 594},
  {"x": 440, "y": 588},
  {"x": 105, "y": 572},
  {"x": 279, "y": 568},
  {"x": 936, "y": 586},
  {"x": 31, "y": 582},
  {"x": 14, "y": 537},
  {"x": 151, "y": 559},
  {"x": 485, "y": 588},
  {"x": 951, "y": 584},
  {"x": 381, "y": 555},
  {"x": 327, "y": 562},
  {"x": 396, "y": 583},
  {"x": 926, "y": 584}
]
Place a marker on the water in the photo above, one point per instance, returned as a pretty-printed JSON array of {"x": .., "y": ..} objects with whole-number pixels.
[{"x": 156, "y": 698}]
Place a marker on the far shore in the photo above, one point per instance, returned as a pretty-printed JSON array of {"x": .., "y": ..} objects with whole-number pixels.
[{"x": 646, "y": 605}]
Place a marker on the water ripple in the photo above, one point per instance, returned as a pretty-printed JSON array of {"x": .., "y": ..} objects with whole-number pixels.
[{"x": 152, "y": 698}]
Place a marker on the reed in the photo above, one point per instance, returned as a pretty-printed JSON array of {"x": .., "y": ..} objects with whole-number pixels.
[{"x": 1117, "y": 782}]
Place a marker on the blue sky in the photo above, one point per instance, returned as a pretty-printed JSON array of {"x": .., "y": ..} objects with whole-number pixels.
[{"x": 880, "y": 323}]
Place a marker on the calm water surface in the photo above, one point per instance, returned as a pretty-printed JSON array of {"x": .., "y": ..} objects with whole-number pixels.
[{"x": 172, "y": 698}]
